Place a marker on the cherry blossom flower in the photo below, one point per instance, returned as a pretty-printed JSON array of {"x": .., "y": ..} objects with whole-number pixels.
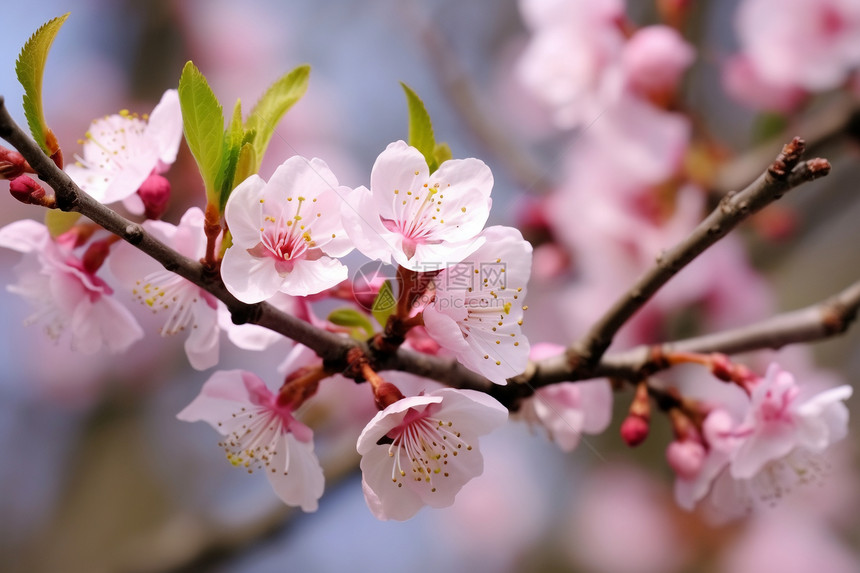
[
  {"x": 285, "y": 233},
  {"x": 777, "y": 446},
  {"x": 417, "y": 218},
  {"x": 122, "y": 151},
  {"x": 572, "y": 60},
  {"x": 782, "y": 418},
  {"x": 567, "y": 410},
  {"x": 477, "y": 310},
  {"x": 654, "y": 59},
  {"x": 189, "y": 308},
  {"x": 743, "y": 82},
  {"x": 67, "y": 296},
  {"x": 421, "y": 450},
  {"x": 259, "y": 433},
  {"x": 811, "y": 44}
]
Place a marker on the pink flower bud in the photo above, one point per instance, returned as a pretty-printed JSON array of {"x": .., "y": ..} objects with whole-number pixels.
[
  {"x": 155, "y": 193},
  {"x": 686, "y": 458},
  {"x": 26, "y": 190},
  {"x": 12, "y": 164},
  {"x": 634, "y": 430},
  {"x": 654, "y": 60}
]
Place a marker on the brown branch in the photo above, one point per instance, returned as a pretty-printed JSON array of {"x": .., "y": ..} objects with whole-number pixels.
[
  {"x": 785, "y": 173},
  {"x": 71, "y": 198},
  {"x": 826, "y": 319}
]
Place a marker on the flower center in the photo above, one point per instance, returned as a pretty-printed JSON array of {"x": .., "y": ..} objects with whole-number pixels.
[
  {"x": 422, "y": 445},
  {"x": 163, "y": 290},
  {"x": 253, "y": 438},
  {"x": 286, "y": 235}
]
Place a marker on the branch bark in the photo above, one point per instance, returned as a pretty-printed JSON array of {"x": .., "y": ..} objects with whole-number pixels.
[
  {"x": 826, "y": 319},
  {"x": 785, "y": 173}
]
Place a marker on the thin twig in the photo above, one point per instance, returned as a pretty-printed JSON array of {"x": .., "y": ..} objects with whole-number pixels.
[
  {"x": 785, "y": 173},
  {"x": 71, "y": 198}
]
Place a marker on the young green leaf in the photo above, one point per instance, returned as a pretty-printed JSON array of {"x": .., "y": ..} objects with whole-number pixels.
[
  {"x": 247, "y": 164},
  {"x": 384, "y": 304},
  {"x": 30, "y": 68},
  {"x": 203, "y": 120},
  {"x": 269, "y": 110},
  {"x": 356, "y": 321},
  {"x": 420, "y": 128},
  {"x": 442, "y": 153},
  {"x": 233, "y": 139}
]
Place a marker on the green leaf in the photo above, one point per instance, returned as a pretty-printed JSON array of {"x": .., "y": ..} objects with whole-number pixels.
[
  {"x": 269, "y": 110},
  {"x": 768, "y": 125},
  {"x": 203, "y": 120},
  {"x": 30, "y": 68},
  {"x": 421, "y": 128},
  {"x": 352, "y": 319},
  {"x": 384, "y": 304},
  {"x": 58, "y": 222},
  {"x": 247, "y": 164},
  {"x": 442, "y": 153},
  {"x": 233, "y": 139}
]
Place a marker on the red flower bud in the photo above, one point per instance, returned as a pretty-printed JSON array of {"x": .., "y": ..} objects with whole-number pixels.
[
  {"x": 155, "y": 193},
  {"x": 634, "y": 430}
]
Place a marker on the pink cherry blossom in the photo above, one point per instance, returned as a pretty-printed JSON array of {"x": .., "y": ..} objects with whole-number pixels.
[
  {"x": 743, "y": 81},
  {"x": 567, "y": 410},
  {"x": 811, "y": 44},
  {"x": 189, "y": 308},
  {"x": 260, "y": 433},
  {"x": 572, "y": 60},
  {"x": 285, "y": 233},
  {"x": 416, "y": 218},
  {"x": 692, "y": 487},
  {"x": 782, "y": 418},
  {"x": 122, "y": 151},
  {"x": 67, "y": 296},
  {"x": 654, "y": 60},
  {"x": 477, "y": 310},
  {"x": 421, "y": 450}
]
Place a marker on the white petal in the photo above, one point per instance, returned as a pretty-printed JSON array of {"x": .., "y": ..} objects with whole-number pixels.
[
  {"x": 249, "y": 278},
  {"x": 364, "y": 228},
  {"x": 311, "y": 277},
  {"x": 24, "y": 236},
  {"x": 244, "y": 212},
  {"x": 164, "y": 129},
  {"x": 301, "y": 483}
]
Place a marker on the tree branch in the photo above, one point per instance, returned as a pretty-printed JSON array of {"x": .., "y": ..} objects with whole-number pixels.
[
  {"x": 826, "y": 319},
  {"x": 71, "y": 198},
  {"x": 785, "y": 173}
]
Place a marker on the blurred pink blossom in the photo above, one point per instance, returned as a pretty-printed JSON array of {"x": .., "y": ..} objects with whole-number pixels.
[
  {"x": 571, "y": 61},
  {"x": 743, "y": 82},
  {"x": 68, "y": 297},
  {"x": 567, "y": 410},
  {"x": 812, "y": 44},
  {"x": 654, "y": 60}
]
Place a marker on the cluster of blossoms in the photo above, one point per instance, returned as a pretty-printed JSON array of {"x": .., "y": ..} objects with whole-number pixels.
[
  {"x": 465, "y": 284},
  {"x": 460, "y": 286},
  {"x": 755, "y": 454}
]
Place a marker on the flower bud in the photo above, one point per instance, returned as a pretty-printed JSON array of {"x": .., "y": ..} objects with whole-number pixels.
[
  {"x": 155, "y": 193},
  {"x": 686, "y": 458},
  {"x": 27, "y": 190},
  {"x": 634, "y": 430},
  {"x": 12, "y": 164}
]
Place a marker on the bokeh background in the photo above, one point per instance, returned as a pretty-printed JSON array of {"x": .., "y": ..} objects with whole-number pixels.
[{"x": 98, "y": 475}]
